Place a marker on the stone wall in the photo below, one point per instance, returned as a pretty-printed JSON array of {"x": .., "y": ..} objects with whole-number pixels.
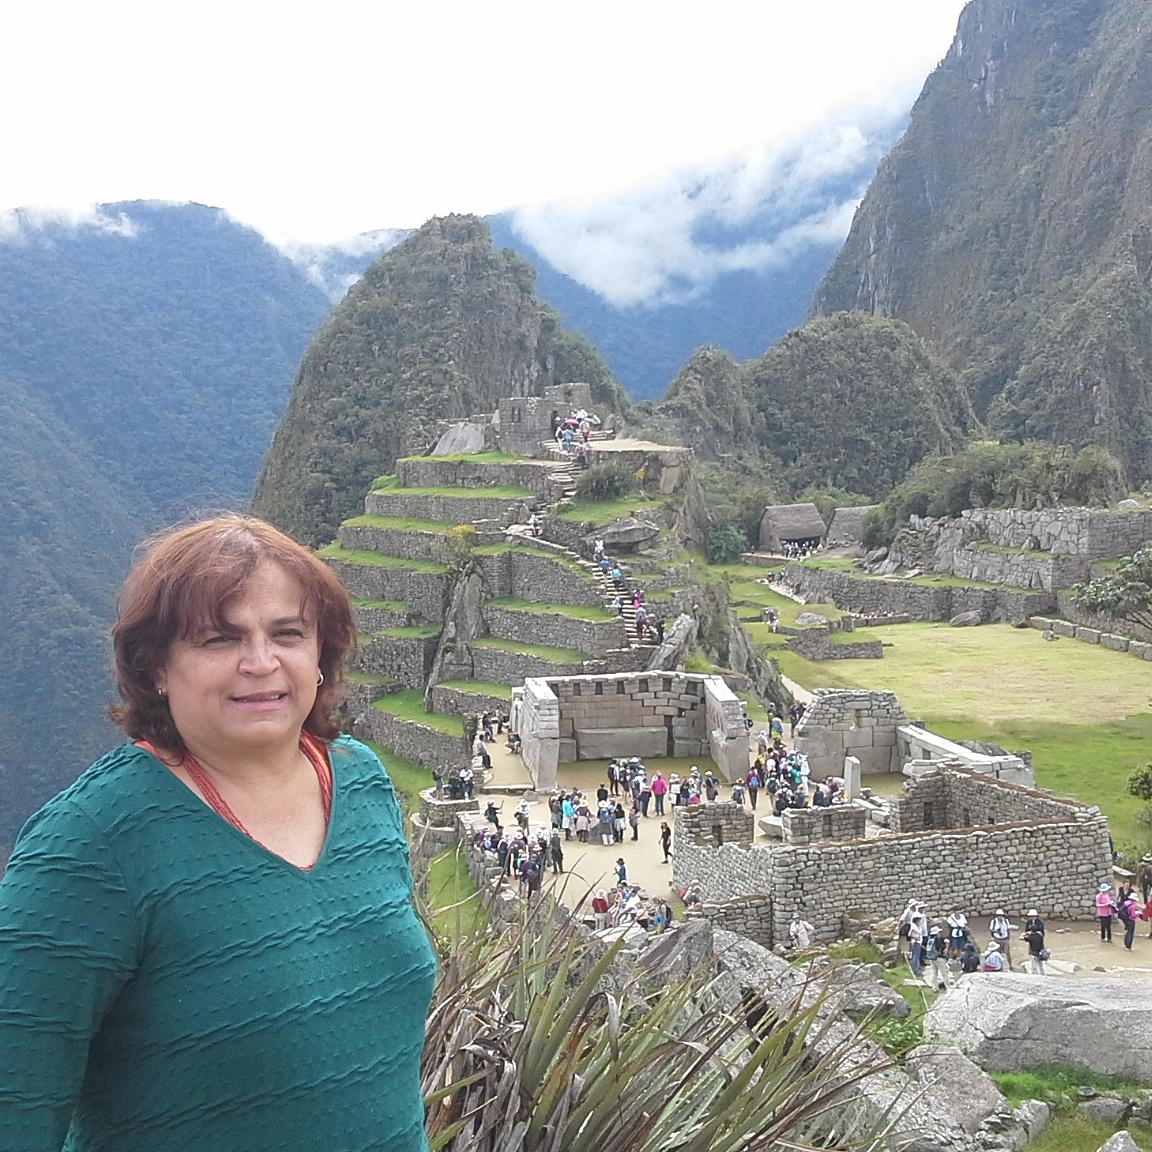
[
  {"x": 851, "y": 722},
  {"x": 810, "y": 825},
  {"x": 747, "y": 916},
  {"x": 1036, "y": 570},
  {"x": 523, "y": 574},
  {"x": 412, "y": 741},
  {"x": 405, "y": 543},
  {"x": 727, "y": 732},
  {"x": 816, "y": 644},
  {"x": 537, "y": 716},
  {"x": 871, "y": 596},
  {"x": 922, "y": 751},
  {"x": 962, "y": 798},
  {"x": 426, "y": 593},
  {"x": 371, "y": 618},
  {"x": 451, "y": 510},
  {"x": 442, "y": 813},
  {"x": 1090, "y": 533},
  {"x": 708, "y": 825},
  {"x": 1066, "y": 608},
  {"x": 455, "y": 702},
  {"x": 405, "y": 658},
  {"x": 556, "y": 629},
  {"x": 429, "y": 472},
  {"x": 496, "y": 666}
]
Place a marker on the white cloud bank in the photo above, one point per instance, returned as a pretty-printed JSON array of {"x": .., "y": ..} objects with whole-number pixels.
[{"x": 19, "y": 225}]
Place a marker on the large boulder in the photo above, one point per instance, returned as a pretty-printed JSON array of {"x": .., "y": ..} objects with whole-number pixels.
[
  {"x": 806, "y": 619},
  {"x": 967, "y": 620},
  {"x": 954, "y": 1085},
  {"x": 625, "y": 533},
  {"x": 1008, "y": 1022}
]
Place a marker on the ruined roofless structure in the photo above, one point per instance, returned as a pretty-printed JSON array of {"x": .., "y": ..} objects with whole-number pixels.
[{"x": 790, "y": 524}]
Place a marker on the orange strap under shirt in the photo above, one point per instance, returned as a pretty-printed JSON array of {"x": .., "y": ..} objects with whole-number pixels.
[{"x": 313, "y": 748}]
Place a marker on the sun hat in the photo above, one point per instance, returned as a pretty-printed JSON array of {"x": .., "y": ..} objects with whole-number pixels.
[
  {"x": 1033, "y": 912},
  {"x": 601, "y": 893},
  {"x": 1105, "y": 887},
  {"x": 933, "y": 931},
  {"x": 1000, "y": 912},
  {"x": 992, "y": 946}
]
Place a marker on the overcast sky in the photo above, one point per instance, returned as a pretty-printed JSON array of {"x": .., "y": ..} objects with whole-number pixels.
[{"x": 316, "y": 120}]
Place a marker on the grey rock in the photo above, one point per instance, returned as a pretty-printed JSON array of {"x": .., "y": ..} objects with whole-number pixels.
[
  {"x": 627, "y": 532},
  {"x": 465, "y": 437},
  {"x": 676, "y": 955},
  {"x": 1128, "y": 504},
  {"x": 1011, "y": 1021},
  {"x": 1106, "y": 1109},
  {"x": 858, "y": 989},
  {"x": 1034, "y": 1116},
  {"x": 808, "y": 618},
  {"x": 959, "y": 1088},
  {"x": 1120, "y": 1142},
  {"x": 876, "y": 555},
  {"x": 967, "y": 620}
]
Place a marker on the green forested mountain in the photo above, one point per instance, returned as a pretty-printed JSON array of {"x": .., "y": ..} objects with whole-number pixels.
[
  {"x": 441, "y": 326},
  {"x": 1012, "y": 225},
  {"x": 144, "y": 361},
  {"x": 847, "y": 402}
]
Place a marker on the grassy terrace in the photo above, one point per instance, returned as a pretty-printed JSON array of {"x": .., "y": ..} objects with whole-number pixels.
[
  {"x": 408, "y": 778},
  {"x": 492, "y": 457},
  {"x": 377, "y": 560},
  {"x": 479, "y": 687},
  {"x": 378, "y": 679},
  {"x": 386, "y": 605},
  {"x": 931, "y": 580},
  {"x": 409, "y": 705},
  {"x": 577, "y": 612},
  {"x": 605, "y": 511},
  {"x": 544, "y": 651},
  {"x": 414, "y": 632},
  {"x": 403, "y": 524},
  {"x": 392, "y": 484},
  {"x": 555, "y": 557}
]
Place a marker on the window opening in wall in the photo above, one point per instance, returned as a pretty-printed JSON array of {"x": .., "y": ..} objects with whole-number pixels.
[
  {"x": 929, "y": 816},
  {"x": 619, "y": 687},
  {"x": 718, "y": 834},
  {"x": 692, "y": 688},
  {"x": 643, "y": 686},
  {"x": 853, "y": 719},
  {"x": 667, "y": 684},
  {"x": 599, "y": 689},
  {"x": 576, "y": 689}
]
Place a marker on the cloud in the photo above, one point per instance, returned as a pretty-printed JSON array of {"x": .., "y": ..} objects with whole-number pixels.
[
  {"x": 20, "y": 225},
  {"x": 335, "y": 267},
  {"x": 753, "y": 211}
]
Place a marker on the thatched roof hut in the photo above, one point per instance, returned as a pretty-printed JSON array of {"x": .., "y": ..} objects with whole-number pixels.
[
  {"x": 790, "y": 524},
  {"x": 847, "y": 525}
]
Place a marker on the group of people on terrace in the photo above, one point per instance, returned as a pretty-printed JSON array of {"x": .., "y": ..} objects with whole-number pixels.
[
  {"x": 573, "y": 432},
  {"x": 784, "y": 773},
  {"x": 648, "y": 629},
  {"x": 936, "y": 951},
  {"x": 1124, "y": 906}
]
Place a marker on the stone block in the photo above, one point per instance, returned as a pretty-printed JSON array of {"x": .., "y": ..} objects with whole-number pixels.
[
  {"x": 1140, "y": 649},
  {"x": 858, "y": 738},
  {"x": 609, "y": 743},
  {"x": 1088, "y": 635},
  {"x": 567, "y": 751},
  {"x": 1063, "y": 628},
  {"x": 1113, "y": 642}
]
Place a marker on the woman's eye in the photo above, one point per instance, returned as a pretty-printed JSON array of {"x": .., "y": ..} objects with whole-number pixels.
[
  {"x": 219, "y": 638},
  {"x": 290, "y": 634}
]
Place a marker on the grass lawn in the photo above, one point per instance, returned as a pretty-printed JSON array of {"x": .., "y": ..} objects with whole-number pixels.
[
  {"x": 1084, "y": 712},
  {"x": 392, "y": 485},
  {"x": 399, "y": 523},
  {"x": 554, "y": 655},
  {"x": 492, "y": 457},
  {"x": 371, "y": 559},
  {"x": 576, "y": 611},
  {"x": 503, "y": 691},
  {"x": 386, "y": 605},
  {"x": 754, "y": 710},
  {"x": 1075, "y": 1134},
  {"x": 410, "y": 706},
  {"x": 555, "y": 557},
  {"x": 453, "y": 899},
  {"x": 409, "y": 779},
  {"x": 605, "y": 511}
]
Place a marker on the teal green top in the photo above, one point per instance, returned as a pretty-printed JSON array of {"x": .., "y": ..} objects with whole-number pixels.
[{"x": 169, "y": 985}]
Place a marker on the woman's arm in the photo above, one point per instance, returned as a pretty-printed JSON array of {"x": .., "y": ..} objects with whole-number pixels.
[{"x": 68, "y": 942}]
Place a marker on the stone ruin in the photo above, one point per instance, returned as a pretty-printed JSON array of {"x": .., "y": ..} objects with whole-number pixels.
[
  {"x": 847, "y": 525},
  {"x": 960, "y": 839},
  {"x": 563, "y": 719},
  {"x": 872, "y": 729}
]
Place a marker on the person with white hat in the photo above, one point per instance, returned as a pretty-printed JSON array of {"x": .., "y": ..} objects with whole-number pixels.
[
  {"x": 1000, "y": 928},
  {"x": 940, "y": 977},
  {"x": 800, "y": 931},
  {"x": 1034, "y": 934},
  {"x": 1105, "y": 906},
  {"x": 993, "y": 960}
]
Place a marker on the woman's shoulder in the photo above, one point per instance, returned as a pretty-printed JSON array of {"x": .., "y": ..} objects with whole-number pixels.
[{"x": 357, "y": 759}]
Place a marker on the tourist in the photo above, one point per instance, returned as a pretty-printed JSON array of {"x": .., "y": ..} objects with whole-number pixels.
[
  {"x": 490, "y": 813},
  {"x": 917, "y": 940},
  {"x": 903, "y": 924},
  {"x": 957, "y": 932},
  {"x": 1128, "y": 913},
  {"x": 1034, "y": 934},
  {"x": 666, "y": 840},
  {"x": 581, "y": 454},
  {"x": 600, "y": 908},
  {"x": 658, "y": 628},
  {"x": 523, "y": 810},
  {"x": 634, "y": 822},
  {"x": 618, "y": 604},
  {"x": 619, "y": 822},
  {"x": 710, "y": 790},
  {"x": 556, "y": 851},
  {"x": 1104, "y": 909},
  {"x": 753, "y": 782},
  {"x": 605, "y": 826},
  {"x": 534, "y": 524},
  {"x": 738, "y": 792},
  {"x": 644, "y": 796},
  {"x": 617, "y": 578},
  {"x": 691, "y": 895},
  {"x": 993, "y": 959},
  {"x": 1144, "y": 876},
  {"x": 1001, "y": 929},
  {"x": 970, "y": 959},
  {"x": 659, "y": 790},
  {"x": 795, "y": 714},
  {"x": 777, "y": 728},
  {"x": 621, "y": 871},
  {"x": 936, "y": 954},
  {"x": 598, "y": 549},
  {"x": 164, "y": 919},
  {"x": 763, "y": 743},
  {"x": 567, "y": 816},
  {"x": 800, "y": 932},
  {"x": 514, "y": 743}
]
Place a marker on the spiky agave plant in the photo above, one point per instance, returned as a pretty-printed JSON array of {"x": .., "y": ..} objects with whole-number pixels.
[{"x": 541, "y": 1039}]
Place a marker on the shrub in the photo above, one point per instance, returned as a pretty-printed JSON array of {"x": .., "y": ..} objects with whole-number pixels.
[{"x": 726, "y": 542}]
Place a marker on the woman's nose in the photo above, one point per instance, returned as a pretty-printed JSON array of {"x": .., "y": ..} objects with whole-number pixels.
[{"x": 258, "y": 656}]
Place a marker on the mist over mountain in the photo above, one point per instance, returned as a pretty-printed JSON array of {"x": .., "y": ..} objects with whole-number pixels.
[
  {"x": 1011, "y": 227},
  {"x": 146, "y": 351}
]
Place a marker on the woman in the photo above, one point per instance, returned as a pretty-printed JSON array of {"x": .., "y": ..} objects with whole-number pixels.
[
  {"x": 1104, "y": 909},
  {"x": 665, "y": 840},
  {"x": 207, "y": 942}
]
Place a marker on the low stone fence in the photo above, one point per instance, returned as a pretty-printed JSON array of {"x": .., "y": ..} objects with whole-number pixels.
[
  {"x": 406, "y": 543},
  {"x": 370, "y": 618},
  {"x": 708, "y": 825},
  {"x": 405, "y": 658},
  {"x": 749, "y": 916},
  {"x": 431, "y": 472},
  {"x": 522, "y": 574},
  {"x": 1113, "y": 641},
  {"x": 1067, "y": 609},
  {"x": 1036, "y": 570},
  {"x": 426, "y": 593},
  {"x": 441, "y": 813},
  {"x": 811, "y": 825},
  {"x": 413, "y": 741},
  {"x": 452, "y": 510},
  {"x": 816, "y": 644},
  {"x": 870, "y": 595},
  {"x": 497, "y": 666},
  {"x": 457, "y": 702},
  {"x": 556, "y": 629}
]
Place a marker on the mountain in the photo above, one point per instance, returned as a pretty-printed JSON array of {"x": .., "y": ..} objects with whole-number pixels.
[
  {"x": 145, "y": 358},
  {"x": 847, "y": 402},
  {"x": 1012, "y": 225},
  {"x": 439, "y": 327}
]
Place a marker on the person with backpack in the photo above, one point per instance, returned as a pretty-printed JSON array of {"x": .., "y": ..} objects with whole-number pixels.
[
  {"x": 1128, "y": 911},
  {"x": 556, "y": 851},
  {"x": 1034, "y": 934},
  {"x": 940, "y": 977},
  {"x": 753, "y": 781},
  {"x": 1000, "y": 928}
]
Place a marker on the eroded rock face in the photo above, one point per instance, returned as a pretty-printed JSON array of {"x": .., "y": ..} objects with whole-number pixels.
[{"x": 1009, "y": 1021}]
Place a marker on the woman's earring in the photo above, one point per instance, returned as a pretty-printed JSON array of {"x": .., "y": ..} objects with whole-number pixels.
[
  {"x": 321, "y": 680},
  {"x": 161, "y": 692}
]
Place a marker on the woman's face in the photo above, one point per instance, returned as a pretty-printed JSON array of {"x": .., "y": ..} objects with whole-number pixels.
[{"x": 250, "y": 688}]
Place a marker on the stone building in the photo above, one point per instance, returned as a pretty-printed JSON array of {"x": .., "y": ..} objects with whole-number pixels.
[
  {"x": 784, "y": 524},
  {"x": 847, "y": 525},
  {"x": 962, "y": 839}
]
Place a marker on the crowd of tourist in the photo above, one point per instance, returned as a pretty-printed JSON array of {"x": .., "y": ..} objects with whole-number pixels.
[
  {"x": 1123, "y": 906},
  {"x": 937, "y": 950}
]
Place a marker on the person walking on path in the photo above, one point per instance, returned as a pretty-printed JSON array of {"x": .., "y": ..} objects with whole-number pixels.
[
  {"x": 753, "y": 781},
  {"x": 556, "y": 851},
  {"x": 659, "y": 791},
  {"x": 1034, "y": 934},
  {"x": 634, "y": 822},
  {"x": 666, "y": 840},
  {"x": 1128, "y": 911},
  {"x": 621, "y": 871}
]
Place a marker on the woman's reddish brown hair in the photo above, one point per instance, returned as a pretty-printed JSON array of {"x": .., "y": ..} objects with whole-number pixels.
[{"x": 182, "y": 583}]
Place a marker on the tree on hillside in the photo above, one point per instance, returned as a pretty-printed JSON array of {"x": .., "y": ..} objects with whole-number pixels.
[{"x": 1124, "y": 595}]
